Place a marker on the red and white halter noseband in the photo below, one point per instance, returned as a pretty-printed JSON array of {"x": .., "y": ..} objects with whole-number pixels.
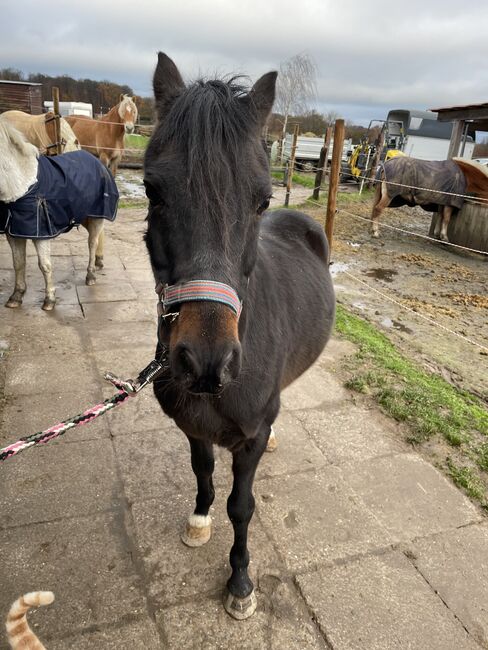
[{"x": 196, "y": 290}]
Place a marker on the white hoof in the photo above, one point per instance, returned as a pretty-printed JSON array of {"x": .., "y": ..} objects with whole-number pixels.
[
  {"x": 272, "y": 442},
  {"x": 198, "y": 530},
  {"x": 240, "y": 608}
]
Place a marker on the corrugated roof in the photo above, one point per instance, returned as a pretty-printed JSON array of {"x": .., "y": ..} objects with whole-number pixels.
[
  {"x": 20, "y": 83},
  {"x": 467, "y": 107}
]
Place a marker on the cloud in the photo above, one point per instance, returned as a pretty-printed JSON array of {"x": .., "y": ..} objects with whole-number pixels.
[{"x": 369, "y": 56}]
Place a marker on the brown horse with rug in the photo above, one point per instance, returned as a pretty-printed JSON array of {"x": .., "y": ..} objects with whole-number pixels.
[{"x": 104, "y": 138}]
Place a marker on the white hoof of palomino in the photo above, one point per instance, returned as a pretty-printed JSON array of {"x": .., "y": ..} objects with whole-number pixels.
[
  {"x": 13, "y": 304},
  {"x": 272, "y": 442},
  {"x": 48, "y": 305},
  {"x": 198, "y": 530},
  {"x": 90, "y": 280},
  {"x": 240, "y": 608}
]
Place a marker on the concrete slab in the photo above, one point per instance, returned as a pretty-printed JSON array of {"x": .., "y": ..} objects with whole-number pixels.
[
  {"x": 455, "y": 564},
  {"x": 106, "y": 292},
  {"x": 69, "y": 480},
  {"x": 141, "y": 634},
  {"x": 381, "y": 603},
  {"x": 43, "y": 333},
  {"x": 315, "y": 517},
  {"x": 120, "y": 336},
  {"x": 27, "y": 375},
  {"x": 350, "y": 433},
  {"x": 122, "y": 312},
  {"x": 86, "y": 561},
  {"x": 409, "y": 497},
  {"x": 17, "y": 419},
  {"x": 314, "y": 388},
  {"x": 174, "y": 572}
]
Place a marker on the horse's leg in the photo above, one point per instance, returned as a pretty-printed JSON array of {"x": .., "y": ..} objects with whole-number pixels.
[
  {"x": 43, "y": 249},
  {"x": 199, "y": 524},
  {"x": 438, "y": 221},
  {"x": 240, "y": 600},
  {"x": 99, "y": 251},
  {"x": 105, "y": 158},
  {"x": 272, "y": 442},
  {"x": 94, "y": 227},
  {"x": 446, "y": 217},
  {"x": 380, "y": 202},
  {"x": 17, "y": 246},
  {"x": 114, "y": 163}
]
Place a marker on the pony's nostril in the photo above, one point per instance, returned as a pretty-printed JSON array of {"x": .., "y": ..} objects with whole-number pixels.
[
  {"x": 186, "y": 362},
  {"x": 230, "y": 364}
]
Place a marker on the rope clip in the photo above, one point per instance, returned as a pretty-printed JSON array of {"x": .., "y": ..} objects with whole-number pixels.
[{"x": 146, "y": 376}]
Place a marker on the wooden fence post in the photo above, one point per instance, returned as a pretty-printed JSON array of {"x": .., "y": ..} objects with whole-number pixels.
[
  {"x": 335, "y": 170},
  {"x": 324, "y": 155},
  {"x": 291, "y": 164},
  {"x": 57, "y": 124}
]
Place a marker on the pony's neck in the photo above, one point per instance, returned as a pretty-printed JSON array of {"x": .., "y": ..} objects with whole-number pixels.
[{"x": 112, "y": 115}]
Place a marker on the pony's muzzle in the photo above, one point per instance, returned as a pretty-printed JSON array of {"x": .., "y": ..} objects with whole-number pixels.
[
  {"x": 205, "y": 370},
  {"x": 129, "y": 127}
]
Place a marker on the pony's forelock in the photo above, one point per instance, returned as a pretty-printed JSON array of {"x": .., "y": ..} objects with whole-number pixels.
[{"x": 126, "y": 102}]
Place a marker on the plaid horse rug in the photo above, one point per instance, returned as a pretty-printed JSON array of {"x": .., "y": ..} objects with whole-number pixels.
[{"x": 69, "y": 188}]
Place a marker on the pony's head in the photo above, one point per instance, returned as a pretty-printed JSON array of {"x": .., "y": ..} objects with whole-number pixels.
[
  {"x": 18, "y": 163},
  {"x": 208, "y": 182},
  {"x": 128, "y": 112}
]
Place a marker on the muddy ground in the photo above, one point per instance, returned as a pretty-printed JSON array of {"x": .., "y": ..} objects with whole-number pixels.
[{"x": 434, "y": 280}]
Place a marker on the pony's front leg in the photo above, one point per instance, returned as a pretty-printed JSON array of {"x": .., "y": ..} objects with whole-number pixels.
[
  {"x": 95, "y": 228},
  {"x": 17, "y": 246},
  {"x": 43, "y": 249},
  {"x": 199, "y": 524},
  {"x": 240, "y": 599},
  {"x": 99, "y": 250}
]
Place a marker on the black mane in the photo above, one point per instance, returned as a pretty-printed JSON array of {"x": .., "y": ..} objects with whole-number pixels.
[{"x": 209, "y": 124}]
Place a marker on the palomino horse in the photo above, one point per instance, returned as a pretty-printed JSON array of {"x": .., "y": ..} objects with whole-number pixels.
[
  {"x": 104, "y": 138},
  {"x": 247, "y": 298},
  {"x": 39, "y": 131},
  {"x": 41, "y": 197},
  {"x": 434, "y": 185}
]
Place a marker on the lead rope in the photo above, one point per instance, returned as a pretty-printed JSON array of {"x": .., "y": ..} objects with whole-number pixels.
[{"x": 127, "y": 388}]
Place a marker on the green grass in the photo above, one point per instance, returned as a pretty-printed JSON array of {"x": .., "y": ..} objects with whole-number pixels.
[
  {"x": 306, "y": 180},
  {"x": 133, "y": 203},
  {"x": 425, "y": 401},
  {"x": 136, "y": 141},
  {"x": 466, "y": 478}
]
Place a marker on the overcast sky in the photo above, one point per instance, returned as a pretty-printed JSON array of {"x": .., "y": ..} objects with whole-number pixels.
[{"x": 371, "y": 55}]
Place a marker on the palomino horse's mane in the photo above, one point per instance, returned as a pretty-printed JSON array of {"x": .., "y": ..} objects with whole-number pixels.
[
  {"x": 127, "y": 103},
  {"x": 209, "y": 123},
  {"x": 18, "y": 163}
]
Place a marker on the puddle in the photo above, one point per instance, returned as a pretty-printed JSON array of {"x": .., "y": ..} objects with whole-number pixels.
[
  {"x": 338, "y": 267},
  {"x": 381, "y": 274},
  {"x": 129, "y": 184},
  {"x": 388, "y": 322}
]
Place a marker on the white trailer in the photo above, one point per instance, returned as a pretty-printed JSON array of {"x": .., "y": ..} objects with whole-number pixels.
[
  {"x": 72, "y": 108},
  {"x": 307, "y": 153}
]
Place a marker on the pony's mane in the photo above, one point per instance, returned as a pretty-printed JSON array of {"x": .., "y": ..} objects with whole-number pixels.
[
  {"x": 18, "y": 163},
  {"x": 208, "y": 123},
  {"x": 127, "y": 102}
]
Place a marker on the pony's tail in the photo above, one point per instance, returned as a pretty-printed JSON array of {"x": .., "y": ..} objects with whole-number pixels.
[{"x": 18, "y": 631}]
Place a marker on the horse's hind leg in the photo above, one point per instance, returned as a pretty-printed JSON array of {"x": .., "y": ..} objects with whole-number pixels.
[
  {"x": 199, "y": 524},
  {"x": 446, "y": 215},
  {"x": 240, "y": 599},
  {"x": 272, "y": 442},
  {"x": 17, "y": 246},
  {"x": 95, "y": 228},
  {"x": 99, "y": 251},
  {"x": 380, "y": 202},
  {"x": 43, "y": 248}
]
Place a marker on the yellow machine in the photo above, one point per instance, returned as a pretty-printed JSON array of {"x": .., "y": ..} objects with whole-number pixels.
[{"x": 363, "y": 155}]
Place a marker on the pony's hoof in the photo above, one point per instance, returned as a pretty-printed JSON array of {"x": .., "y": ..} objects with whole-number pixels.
[
  {"x": 376, "y": 235},
  {"x": 99, "y": 262},
  {"x": 198, "y": 530},
  {"x": 272, "y": 442},
  {"x": 90, "y": 279},
  {"x": 13, "y": 304},
  {"x": 48, "y": 304},
  {"x": 240, "y": 608},
  {"x": 444, "y": 238}
]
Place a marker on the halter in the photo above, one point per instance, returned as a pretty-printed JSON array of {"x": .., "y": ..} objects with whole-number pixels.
[{"x": 198, "y": 290}]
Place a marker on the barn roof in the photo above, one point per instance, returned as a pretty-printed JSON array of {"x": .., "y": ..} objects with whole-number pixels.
[
  {"x": 19, "y": 83},
  {"x": 477, "y": 113}
]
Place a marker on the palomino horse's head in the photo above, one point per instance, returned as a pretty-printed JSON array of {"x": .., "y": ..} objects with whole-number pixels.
[
  {"x": 207, "y": 180},
  {"x": 128, "y": 112},
  {"x": 18, "y": 163}
]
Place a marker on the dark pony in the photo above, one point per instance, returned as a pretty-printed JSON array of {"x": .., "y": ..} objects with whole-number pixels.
[{"x": 208, "y": 183}]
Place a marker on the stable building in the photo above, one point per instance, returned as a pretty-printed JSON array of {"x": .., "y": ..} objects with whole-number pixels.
[{"x": 20, "y": 96}]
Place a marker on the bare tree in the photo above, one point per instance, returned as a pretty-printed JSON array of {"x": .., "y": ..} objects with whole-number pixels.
[{"x": 296, "y": 86}]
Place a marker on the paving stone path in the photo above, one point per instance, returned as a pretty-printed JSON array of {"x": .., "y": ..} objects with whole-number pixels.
[{"x": 357, "y": 542}]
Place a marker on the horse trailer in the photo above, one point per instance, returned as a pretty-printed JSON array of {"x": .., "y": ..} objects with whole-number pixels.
[
  {"x": 419, "y": 135},
  {"x": 308, "y": 149},
  {"x": 71, "y": 108}
]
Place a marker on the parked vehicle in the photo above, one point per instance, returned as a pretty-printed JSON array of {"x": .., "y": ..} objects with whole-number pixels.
[{"x": 307, "y": 153}]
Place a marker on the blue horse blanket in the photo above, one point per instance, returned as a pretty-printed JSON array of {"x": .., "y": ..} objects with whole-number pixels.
[{"x": 69, "y": 188}]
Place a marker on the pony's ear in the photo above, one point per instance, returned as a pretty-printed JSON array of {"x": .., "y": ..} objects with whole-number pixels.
[
  {"x": 167, "y": 82},
  {"x": 263, "y": 95},
  {"x": 121, "y": 97}
]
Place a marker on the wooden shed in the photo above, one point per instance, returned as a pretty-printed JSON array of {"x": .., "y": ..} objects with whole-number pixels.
[
  {"x": 21, "y": 96},
  {"x": 470, "y": 226}
]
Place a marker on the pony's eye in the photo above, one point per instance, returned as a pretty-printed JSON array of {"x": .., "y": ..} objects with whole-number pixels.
[
  {"x": 151, "y": 193},
  {"x": 264, "y": 206}
]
